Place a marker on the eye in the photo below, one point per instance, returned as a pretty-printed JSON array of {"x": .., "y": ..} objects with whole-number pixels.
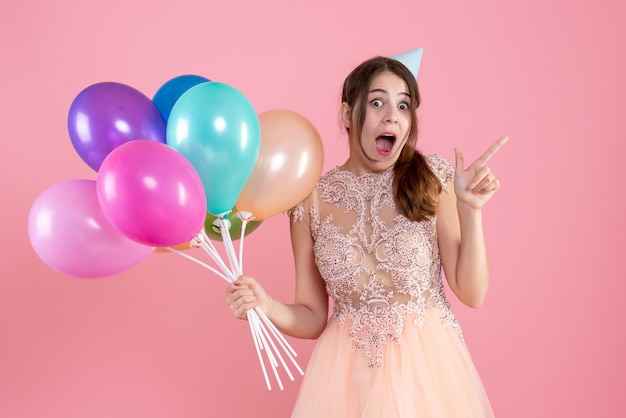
[
  {"x": 404, "y": 106},
  {"x": 377, "y": 102}
]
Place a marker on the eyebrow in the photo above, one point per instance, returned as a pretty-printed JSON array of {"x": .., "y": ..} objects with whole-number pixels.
[{"x": 386, "y": 92}]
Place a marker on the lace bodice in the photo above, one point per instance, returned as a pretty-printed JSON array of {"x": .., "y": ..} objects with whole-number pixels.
[{"x": 379, "y": 267}]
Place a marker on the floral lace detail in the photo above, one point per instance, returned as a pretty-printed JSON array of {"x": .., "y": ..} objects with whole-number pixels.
[
  {"x": 379, "y": 268},
  {"x": 442, "y": 168}
]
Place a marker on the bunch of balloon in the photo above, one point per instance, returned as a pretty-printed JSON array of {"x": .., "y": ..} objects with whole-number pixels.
[
  {"x": 217, "y": 129},
  {"x": 164, "y": 99},
  {"x": 66, "y": 224},
  {"x": 88, "y": 228},
  {"x": 194, "y": 165},
  {"x": 147, "y": 195}
]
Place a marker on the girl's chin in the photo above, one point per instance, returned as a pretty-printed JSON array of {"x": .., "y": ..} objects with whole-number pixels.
[{"x": 381, "y": 165}]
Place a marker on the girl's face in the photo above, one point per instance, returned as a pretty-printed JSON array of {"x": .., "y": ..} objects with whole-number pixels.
[{"x": 385, "y": 128}]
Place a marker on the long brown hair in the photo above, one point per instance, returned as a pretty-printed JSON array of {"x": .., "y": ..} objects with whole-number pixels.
[{"x": 416, "y": 188}]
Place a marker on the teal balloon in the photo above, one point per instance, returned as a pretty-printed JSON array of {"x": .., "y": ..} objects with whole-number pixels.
[{"x": 217, "y": 129}]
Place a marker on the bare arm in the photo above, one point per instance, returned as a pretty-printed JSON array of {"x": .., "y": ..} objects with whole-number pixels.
[
  {"x": 459, "y": 225},
  {"x": 307, "y": 316}
]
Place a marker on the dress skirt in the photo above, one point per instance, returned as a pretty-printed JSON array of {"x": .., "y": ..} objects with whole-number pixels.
[{"x": 427, "y": 373}]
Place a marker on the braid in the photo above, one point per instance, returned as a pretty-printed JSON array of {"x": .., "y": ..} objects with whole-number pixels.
[{"x": 415, "y": 186}]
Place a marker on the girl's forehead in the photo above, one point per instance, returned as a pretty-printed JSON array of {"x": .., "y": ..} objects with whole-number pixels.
[{"x": 387, "y": 80}]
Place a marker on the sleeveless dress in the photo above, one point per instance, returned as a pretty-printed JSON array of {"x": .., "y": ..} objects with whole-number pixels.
[{"x": 392, "y": 347}]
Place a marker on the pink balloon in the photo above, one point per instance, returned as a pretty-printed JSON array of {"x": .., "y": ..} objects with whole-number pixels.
[
  {"x": 69, "y": 232},
  {"x": 151, "y": 193}
]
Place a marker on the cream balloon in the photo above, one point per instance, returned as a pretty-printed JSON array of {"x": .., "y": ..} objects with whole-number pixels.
[{"x": 290, "y": 163}]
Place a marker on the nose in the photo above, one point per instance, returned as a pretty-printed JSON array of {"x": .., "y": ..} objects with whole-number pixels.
[{"x": 392, "y": 115}]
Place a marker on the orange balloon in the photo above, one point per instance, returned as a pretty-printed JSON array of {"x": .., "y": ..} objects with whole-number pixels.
[
  {"x": 181, "y": 247},
  {"x": 290, "y": 162}
]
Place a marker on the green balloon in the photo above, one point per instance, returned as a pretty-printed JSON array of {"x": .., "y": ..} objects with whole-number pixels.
[{"x": 212, "y": 226}]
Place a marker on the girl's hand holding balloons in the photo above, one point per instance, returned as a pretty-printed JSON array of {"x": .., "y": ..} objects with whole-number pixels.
[{"x": 244, "y": 294}]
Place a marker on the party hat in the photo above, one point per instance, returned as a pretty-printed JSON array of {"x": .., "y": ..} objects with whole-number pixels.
[{"x": 411, "y": 59}]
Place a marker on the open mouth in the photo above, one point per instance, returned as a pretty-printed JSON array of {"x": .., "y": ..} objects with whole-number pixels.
[{"x": 384, "y": 143}]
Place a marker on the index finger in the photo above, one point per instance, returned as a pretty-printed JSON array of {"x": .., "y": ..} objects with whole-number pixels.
[{"x": 482, "y": 160}]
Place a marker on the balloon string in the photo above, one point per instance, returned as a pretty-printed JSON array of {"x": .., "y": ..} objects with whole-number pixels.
[
  {"x": 207, "y": 245},
  {"x": 287, "y": 348},
  {"x": 195, "y": 260},
  {"x": 263, "y": 331},
  {"x": 244, "y": 223},
  {"x": 275, "y": 349},
  {"x": 228, "y": 245},
  {"x": 258, "y": 327},
  {"x": 257, "y": 346}
]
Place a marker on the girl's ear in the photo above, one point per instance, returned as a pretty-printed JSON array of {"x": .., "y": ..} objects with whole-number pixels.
[{"x": 345, "y": 114}]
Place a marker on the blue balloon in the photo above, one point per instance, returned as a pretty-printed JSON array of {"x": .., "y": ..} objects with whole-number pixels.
[
  {"x": 168, "y": 93},
  {"x": 217, "y": 129}
]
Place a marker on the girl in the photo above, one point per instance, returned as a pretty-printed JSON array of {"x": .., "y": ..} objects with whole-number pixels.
[{"x": 374, "y": 235}]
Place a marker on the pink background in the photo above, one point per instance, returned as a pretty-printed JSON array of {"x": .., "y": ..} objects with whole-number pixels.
[{"x": 158, "y": 341}]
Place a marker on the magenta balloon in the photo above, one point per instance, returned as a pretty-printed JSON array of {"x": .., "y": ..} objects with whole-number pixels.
[
  {"x": 105, "y": 115},
  {"x": 152, "y": 193},
  {"x": 69, "y": 232}
]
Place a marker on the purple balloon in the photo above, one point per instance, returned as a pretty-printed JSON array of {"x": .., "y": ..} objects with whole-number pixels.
[
  {"x": 106, "y": 115},
  {"x": 152, "y": 194},
  {"x": 69, "y": 232}
]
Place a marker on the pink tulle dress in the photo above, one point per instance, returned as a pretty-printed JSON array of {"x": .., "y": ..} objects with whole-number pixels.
[{"x": 392, "y": 347}]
